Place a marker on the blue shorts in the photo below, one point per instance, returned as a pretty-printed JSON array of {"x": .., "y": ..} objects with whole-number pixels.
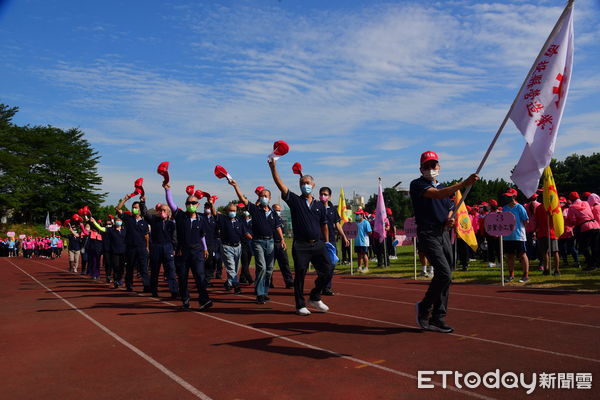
[
  {"x": 361, "y": 249},
  {"x": 516, "y": 247}
]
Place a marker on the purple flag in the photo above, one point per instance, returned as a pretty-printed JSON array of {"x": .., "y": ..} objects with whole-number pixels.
[{"x": 380, "y": 215}]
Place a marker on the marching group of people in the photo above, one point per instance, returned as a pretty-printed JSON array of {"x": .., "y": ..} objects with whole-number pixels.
[
  {"x": 28, "y": 246},
  {"x": 196, "y": 237}
]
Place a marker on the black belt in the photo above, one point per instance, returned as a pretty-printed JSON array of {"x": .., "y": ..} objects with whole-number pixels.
[
  {"x": 263, "y": 237},
  {"x": 307, "y": 240},
  {"x": 231, "y": 244}
]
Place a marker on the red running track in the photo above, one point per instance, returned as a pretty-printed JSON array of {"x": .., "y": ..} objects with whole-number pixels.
[{"x": 67, "y": 337}]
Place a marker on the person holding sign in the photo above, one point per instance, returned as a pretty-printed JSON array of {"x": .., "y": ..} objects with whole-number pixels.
[
  {"x": 515, "y": 243},
  {"x": 433, "y": 207}
]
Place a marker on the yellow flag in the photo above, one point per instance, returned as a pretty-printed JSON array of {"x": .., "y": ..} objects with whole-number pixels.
[
  {"x": 342, "y": 207},
  {"x": 464, "y": 229},
  {"x": 552, "y": 204}
]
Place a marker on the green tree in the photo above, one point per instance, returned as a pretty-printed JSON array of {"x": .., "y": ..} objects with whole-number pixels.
[
  {"x": 45, "y": 169},
  {"x": 397, "y": 201},
  {"x": 577, "y": 174}
]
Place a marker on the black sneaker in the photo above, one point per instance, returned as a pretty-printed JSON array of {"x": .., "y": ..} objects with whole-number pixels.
[
  {"x": 422, "y": 317},
  {"x": 556, "y": 273},
  {"x": 439, "y": 326},
  {"x": 267, "y": 298},
  {"x": 289, "y": 285},
  {"x": 227, "y": 286},
  {"x": 205, "y": 306},
  {"x": 260, "y": 300},
  {"x": 328, "y": 292},
  {"x": 237, "y": 290},
  {"x": 186, "y": 305}
]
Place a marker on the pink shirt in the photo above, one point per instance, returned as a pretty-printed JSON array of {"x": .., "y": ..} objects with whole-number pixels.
[{"x": 581, "y": 216}]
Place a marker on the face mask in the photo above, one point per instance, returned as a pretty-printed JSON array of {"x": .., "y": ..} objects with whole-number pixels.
[
  {"x": 207, "y": 211},
  {"x": 109, "y": 225},
  {"x": 324, "y": 198},
  {"x": 135, "y": 211},
  {"x": 119, "y": 223},
  {"x": 359, "y": 218},
  {"x": 264, "y": 201},
  {"x": 231, "y": 214},
  {"x": 191, "y": 208},
  {"x": 430, "y": 174},
  {"x": 246, "y": 214},
  {"x": 306, "y": 189},
  {"x": 278, "y": 213}
]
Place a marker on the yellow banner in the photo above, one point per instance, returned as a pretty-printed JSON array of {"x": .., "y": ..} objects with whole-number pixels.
[
  {"x": 464, "y": 229},
  {"x": 552, "y": 204},
  {"x": 342, "y": 207}
]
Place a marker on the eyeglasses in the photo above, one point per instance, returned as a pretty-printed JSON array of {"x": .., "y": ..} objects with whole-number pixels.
[{"x": 187, "y": 203}]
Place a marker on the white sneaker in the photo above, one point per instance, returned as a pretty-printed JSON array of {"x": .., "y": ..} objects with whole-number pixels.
[
  {"x": 492, "y": 265},
  {"x": 303, "y": 311},
  {"x": 365, "y": 270},
  {"x": 319, "y": 305}
]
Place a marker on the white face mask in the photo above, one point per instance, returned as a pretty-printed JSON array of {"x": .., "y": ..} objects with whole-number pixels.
[{"x": 430, "y": 174}]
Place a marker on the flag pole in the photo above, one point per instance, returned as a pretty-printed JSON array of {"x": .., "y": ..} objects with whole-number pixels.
[
  {"x": 512, "y": 106},
  {"x": 384, "y": 234}
]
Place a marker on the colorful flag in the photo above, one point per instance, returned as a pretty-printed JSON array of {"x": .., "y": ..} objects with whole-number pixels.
[
  {"x": 539, "y": 105},
  {"x": 341, "y": 209},
  {"x": 464, "y": 229},
  {"x": 380, "y": 215},
  {"x": 552, "y": 204}
]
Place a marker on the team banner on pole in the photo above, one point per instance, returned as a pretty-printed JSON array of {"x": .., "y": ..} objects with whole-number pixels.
[
  {"x": 540, "y": 103},
  {"x": 341, "y": 209},
  {"x": 380, "y": 215},
  {"x": 552, "y": 204},
  {"x": 464, "y": 229}
]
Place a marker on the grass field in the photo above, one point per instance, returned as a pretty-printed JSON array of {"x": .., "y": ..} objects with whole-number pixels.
[{"x": 571, "y": 278}]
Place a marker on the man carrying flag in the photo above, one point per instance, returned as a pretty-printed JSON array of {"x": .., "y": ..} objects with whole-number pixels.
[{"x": 433, "y": 208}]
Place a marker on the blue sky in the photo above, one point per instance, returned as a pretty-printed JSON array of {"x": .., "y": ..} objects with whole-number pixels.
[{"x": 357, "y": 88}]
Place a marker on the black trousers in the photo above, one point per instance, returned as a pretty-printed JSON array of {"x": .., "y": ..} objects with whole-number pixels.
[
  {"x": 191, "y": 260},
  {"x": 464, "y": 252},
  {"x": 137, "y": 258},
  {"x": 589, "y": 247},
  {"x": 281, "y": 256},
  {"x": 493, "y": 251},
  {"x": 303, "y": 254},
  {"x": 212, "y": 265},
  {"x": 245, "y": 259},
  {"x": 107, "y": 261},
  {"x": 345, "y": 252},
  {"x": 163, "y": 254},
  {"x": 118, "y": 266},
  {"x": 438, "y": 249}
]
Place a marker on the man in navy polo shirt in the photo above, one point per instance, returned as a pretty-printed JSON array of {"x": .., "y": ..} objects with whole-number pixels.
[
  {"x": 231, "y": 231},
  {"x": 333, "y": 226},
  {"x": 433, "y": 207},
  {"x": 191, "y": 249},
  {"x": 163, "y": 243},
  {"x": 309, "y": 224},
  {"x": 264, "y": 222},
  {"x": 138, "y": 243}
]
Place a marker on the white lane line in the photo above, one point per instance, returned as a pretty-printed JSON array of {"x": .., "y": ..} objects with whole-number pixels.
[
  {"x": 411, "y": 326},
  {"x": 473, "y": 311},
  {"x": 302, "y": 344},
  {"x": 339, "y": 281},
  {"x": 187, "y": 386}
]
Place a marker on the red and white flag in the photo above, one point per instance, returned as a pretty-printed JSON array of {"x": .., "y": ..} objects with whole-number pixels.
[{"x": 540, "y": 103}]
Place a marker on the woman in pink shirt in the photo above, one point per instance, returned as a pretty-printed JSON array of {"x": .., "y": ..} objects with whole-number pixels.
[{"x": 586, "y": 230}]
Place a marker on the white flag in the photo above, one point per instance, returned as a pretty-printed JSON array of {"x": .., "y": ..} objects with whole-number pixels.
[
  {"x": 540, "y": 104},
  {"x": 47, "y": 224}
]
